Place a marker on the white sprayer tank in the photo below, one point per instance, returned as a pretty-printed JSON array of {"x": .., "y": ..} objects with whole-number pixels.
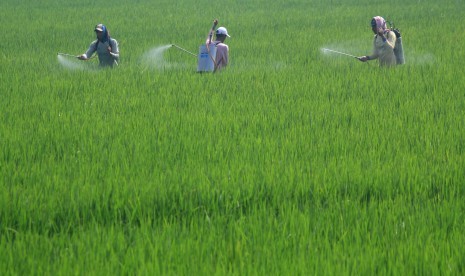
[{"x": 206, "y": 58}]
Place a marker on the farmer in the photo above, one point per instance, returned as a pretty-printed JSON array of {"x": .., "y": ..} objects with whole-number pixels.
[
  {"x": 222, "y": 50},
  {"x": 105, "y": 46},
  {"x": 383, "y": 43}
]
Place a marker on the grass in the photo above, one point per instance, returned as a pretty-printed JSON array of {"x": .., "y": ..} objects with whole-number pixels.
[{"x": 289, "y": 162}]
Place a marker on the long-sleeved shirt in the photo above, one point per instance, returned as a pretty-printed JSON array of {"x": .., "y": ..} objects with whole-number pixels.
[
  {"x": 105, "y": 58},
  {"x": 383, "y": 50}
]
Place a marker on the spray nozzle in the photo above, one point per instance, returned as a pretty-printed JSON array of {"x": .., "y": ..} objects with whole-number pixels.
[{"x": 391, "y": 25}]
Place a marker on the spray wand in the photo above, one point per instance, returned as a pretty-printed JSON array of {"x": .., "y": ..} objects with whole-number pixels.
[
  {"x": 74, "y": 56},
  {"x": 210, "y": 35},
  {"x": 392, "y": 27},
  {"x": 182, "y": 49},
  {"x": 337, "y": 52},
  {"x": 67, "y": 55}
]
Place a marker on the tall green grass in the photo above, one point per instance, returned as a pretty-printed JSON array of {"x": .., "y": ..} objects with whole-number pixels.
[{"x": 288, "y": 162}]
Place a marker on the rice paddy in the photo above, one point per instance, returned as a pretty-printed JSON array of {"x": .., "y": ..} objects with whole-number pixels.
[{"x": 291, "y": 161}]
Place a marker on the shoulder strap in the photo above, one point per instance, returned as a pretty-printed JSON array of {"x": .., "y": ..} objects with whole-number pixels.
[{"x": 109, "y": 43}]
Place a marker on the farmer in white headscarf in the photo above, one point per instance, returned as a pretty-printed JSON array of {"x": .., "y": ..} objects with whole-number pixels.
[
  {"x": 105, "y": 46},
  {"x": 383, "y": 43}
]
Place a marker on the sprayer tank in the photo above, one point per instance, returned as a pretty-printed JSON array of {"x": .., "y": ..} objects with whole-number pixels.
[{"x": 206, "y": 58}]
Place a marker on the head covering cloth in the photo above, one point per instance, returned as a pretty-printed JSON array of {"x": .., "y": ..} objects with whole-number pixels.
[
  {"x": 105, "y": 33},
  {"x": 378, "y": 22}
]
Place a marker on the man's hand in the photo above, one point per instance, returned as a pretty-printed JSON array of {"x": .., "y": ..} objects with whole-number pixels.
[
  {"x": 82, "y": 57},
  {"x": 380, "y": 32},
  {"x": 363, "y": 59}
]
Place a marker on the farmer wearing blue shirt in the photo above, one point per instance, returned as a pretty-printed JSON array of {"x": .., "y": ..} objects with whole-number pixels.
[{"x": 105, "y": 46}]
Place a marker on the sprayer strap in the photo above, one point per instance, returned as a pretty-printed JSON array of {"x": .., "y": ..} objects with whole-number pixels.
[{"x": 109, "y": 43}]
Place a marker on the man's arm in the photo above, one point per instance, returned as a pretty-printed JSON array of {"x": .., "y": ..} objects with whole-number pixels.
[
  {"x": 114, "y": 49},
  {"x": 89, "y": 52},
  {"x": 391, "y": 39},
  {"x": 210, "y": 34}
]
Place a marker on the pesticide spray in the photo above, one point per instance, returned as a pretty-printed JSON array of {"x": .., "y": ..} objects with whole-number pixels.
[
  {"x": 154, "y": 57},
  {"x": 206, "y": 57},
  {"x": 66, "y": 60},
  {"x": 71, "y": 61}
]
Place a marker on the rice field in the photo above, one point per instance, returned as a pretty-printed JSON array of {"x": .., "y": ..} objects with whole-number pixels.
[{"x": 292, "y": 161}]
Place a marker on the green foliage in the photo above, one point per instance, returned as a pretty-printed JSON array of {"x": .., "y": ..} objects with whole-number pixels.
[{"x": 291, "y": 161}]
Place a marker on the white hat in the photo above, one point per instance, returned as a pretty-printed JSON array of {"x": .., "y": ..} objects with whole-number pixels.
[{"x": 222, "y": 31}]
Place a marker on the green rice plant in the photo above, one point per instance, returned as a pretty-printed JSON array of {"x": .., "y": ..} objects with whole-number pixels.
[{"x": 291, "y": 161}]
